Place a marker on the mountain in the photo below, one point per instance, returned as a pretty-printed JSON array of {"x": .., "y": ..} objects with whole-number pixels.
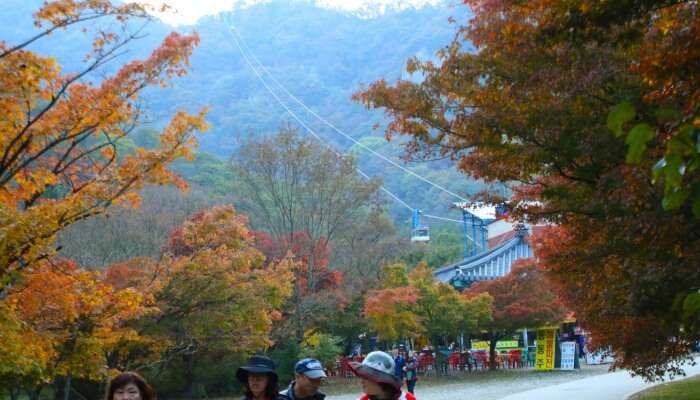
[{"x": 321, "y": 55}]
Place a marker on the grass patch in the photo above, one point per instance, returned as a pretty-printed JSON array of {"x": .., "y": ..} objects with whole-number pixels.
[{"x": 686, "y": 389}]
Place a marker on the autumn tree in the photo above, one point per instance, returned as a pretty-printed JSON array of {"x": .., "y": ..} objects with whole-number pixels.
[
  {"x": 589, "y": 110},
  {"x": 416, "y": 304},
  {"x": 522, "y": 299},
  {"x": 444, "y": 313},
  {"x": 60, "y": 133},
  {"x": 361, "y": 250},
  {"x": 213, "y": 292},
  {"x": 303, "y": 194},
  {"x": 60, "y": 324}
]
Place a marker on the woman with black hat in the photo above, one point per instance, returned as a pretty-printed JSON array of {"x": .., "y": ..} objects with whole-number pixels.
[
  {"x": 379, "y": 381},
  {"x": 259, "y": 379}
]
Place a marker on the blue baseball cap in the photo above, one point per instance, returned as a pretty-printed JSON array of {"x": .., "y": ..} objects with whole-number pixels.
[{"x": 310, "y": 367}]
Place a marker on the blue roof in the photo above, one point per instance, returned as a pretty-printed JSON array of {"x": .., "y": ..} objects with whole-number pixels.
[{"x": 491, "y": 264}]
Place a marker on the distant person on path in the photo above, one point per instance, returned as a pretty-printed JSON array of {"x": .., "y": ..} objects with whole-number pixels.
[
  {"x": 308, "y": 376},
  {"x": 130, "y": 386},
  {"x": 400, "y": 362},
  {"x": 411, "y": 372},
  {"x": 259, "y": 379},
  {"x": 442, "y": 359},
  {"x": 379, "y": 381}
]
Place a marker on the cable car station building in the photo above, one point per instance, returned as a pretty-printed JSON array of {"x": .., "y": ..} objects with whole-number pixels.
[{"x": 497, "y": 243}]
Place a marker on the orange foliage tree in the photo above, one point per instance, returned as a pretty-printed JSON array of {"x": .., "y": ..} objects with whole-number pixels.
[
  {"x": 60, "y": 323},
  {"x": 590, "y": 109},
  {"x": 414, "y": 304},
  {"x": 59, "y": 135}
]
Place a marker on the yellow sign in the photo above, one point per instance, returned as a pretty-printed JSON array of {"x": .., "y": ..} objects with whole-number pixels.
[
  {"x": 545, "y": 349},
  {"x": 480, "y": 345}
]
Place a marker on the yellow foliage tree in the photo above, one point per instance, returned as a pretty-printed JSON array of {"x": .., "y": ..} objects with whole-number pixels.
[{"x": 59, "y": 134}]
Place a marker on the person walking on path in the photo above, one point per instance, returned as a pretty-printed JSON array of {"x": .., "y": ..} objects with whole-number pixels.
[
  {"x": 259, "y": 379},
  {"x": 400, "y": 363},
  {"x": 130, "y": 386},
  {"x": 308, "y": 376},
  {"x": 379, "y": 381},
  {"x": 411, "y": 372}
]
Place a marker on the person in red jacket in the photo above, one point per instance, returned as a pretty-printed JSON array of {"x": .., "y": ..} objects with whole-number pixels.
[{"x": 378, "y": 379}]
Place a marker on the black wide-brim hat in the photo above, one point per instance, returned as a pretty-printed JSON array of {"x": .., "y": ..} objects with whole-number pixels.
[
  {"x": 256, "y": 365},
  {"x": 374, "y": 375}
]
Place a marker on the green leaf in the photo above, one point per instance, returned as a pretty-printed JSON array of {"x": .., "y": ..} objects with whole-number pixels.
[
  {"x": 672, "y": 171},
  {"x": 691, "y": 304},
  {"x": 696, "y": 200},
  {"x": 685, "y": 132},
  {"x": 682, "y": 142},
  {"x": 668, "y": 114},
  {"x": 637, "y": 140},
  {"x": 620, "y": 114},
  {"x": 675, "y": 198},
  {"x": 694, "y": 164},
  {"x": 658, "y": 169}
]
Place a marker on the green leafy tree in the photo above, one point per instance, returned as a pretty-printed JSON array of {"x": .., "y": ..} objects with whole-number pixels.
[{"x": 321, "y": 346}]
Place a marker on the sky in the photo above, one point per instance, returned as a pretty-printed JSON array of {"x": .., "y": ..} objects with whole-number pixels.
[{"x": 188, "y": 11}]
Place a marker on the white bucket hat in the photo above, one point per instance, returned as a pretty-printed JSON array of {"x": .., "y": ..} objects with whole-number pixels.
[{"x": 377, "y": 367}]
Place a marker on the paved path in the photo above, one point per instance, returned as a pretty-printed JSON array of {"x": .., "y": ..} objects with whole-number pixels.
[
  {"x": 593, "y": 382},
  {"x": 488, "y": 385},
  {"x": 611, "y": 386}
]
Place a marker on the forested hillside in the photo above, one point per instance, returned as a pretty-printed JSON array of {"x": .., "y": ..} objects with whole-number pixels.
[{"x": 320, "y": 55}]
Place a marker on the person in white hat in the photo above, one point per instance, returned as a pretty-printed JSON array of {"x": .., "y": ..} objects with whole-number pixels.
[{"x": 379, "y": 381}]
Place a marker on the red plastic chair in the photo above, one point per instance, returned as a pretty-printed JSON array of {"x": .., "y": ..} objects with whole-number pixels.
[
  {"x": 426, "y": 364},
  {"x": 454, "y": 361},
  {"x": 515, "y": 359},
  {"x": 482, "y": 359},
  {"x": 344, "y": 369}
]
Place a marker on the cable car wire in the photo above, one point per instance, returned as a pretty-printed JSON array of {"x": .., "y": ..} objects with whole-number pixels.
[
  {"x": 347, "y": 136},
  {"x": 320, "y": 139}
]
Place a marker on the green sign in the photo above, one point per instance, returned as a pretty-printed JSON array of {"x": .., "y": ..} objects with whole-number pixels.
[
  {"x": 507, "y": 344},
  {"x": 500, "y": 345}
]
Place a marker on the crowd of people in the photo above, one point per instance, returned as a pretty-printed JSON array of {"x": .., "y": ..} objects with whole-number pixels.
[{"x": 380, "y": 376}]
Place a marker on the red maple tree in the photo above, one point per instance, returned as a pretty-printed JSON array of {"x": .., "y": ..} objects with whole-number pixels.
[{"x": 522, "y": 299}]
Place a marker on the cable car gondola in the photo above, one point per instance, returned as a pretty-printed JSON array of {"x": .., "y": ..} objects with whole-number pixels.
[{"x": 419, "y": 233}]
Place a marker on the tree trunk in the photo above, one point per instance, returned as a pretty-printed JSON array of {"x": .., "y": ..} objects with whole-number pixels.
[
  {"x": 66, "y": 387},
  {"x": 189, "y": 374},
  {"x": 299, "y": 319},
  {"x": 493, "y": 338},
  {"x": 34, "y": 394}
]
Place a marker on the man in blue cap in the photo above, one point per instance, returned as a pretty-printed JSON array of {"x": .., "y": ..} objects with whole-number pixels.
[{"x": 308, "y": 376}]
